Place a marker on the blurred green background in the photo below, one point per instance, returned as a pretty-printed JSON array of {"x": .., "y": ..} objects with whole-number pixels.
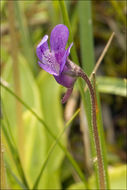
[{"x": 25, "y": 142}]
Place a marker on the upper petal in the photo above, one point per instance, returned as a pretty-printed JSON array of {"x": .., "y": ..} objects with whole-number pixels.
[
  {"x": 61, "y": 57},
  {"x": 42, "y": 47},
  {"x": 59, "y": 37}
]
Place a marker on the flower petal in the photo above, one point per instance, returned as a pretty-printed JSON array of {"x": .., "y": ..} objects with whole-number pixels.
[
  {"x": 67, "y": 52},
  {"x": 42, "y": 47},
  {"x": 59, "y": 37},
  {"x": 49, "y": 63},
  {"x": 61, "y": 57}
]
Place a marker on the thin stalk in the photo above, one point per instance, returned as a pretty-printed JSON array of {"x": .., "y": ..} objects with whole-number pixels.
[
  {"x": 77, "y": 71},
  {"x": 99, "y": 119},
  {"x": 101, "y": 57},
  {"x": 101, "y": 132},
  {"x": 95, "y": 131},
  {"x": 103, "y": 54},
  {"x": 16, "y": 75}
]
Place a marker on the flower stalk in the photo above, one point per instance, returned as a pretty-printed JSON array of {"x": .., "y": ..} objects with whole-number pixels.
[{"x": 78, "y": 72}]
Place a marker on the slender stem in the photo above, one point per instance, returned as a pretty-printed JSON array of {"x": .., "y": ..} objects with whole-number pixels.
[
  {"x": 101, "y": 132},
  {"x": 76, "y": 70},
  {"x": 95, "y": 130}
]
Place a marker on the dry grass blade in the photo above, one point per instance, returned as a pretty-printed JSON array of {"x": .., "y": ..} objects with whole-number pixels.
[{"x": 101, "y": 57}]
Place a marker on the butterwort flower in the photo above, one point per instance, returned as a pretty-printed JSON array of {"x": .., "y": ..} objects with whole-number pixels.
[
  {"x": 54, "y": 59},
  {"x": 56, "y": 62}
]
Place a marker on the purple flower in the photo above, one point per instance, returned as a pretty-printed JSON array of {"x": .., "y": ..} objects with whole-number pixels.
[{"x": 54, "y": 60}]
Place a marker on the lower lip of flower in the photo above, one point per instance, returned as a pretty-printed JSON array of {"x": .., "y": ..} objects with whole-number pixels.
[{"x": 49, "y": 58}]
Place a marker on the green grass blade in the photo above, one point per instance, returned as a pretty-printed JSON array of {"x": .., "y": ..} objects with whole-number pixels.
[
  {"x": 12, "y": 146},
  {"x": 8, "y": 126},
  {"x": 52, "y": 148},
  {"x": 87, "y": 57},
  {"x": 9, "y": 170},
  {"x": 86, "y": 36},
  {"x": 72, "y": 161},
  {"x": 15, "y": 156}
]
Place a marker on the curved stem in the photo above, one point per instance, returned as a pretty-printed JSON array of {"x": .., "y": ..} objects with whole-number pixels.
[
  {"x": 78, "y": 72},
  {"x": 96, "y": 136}
]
